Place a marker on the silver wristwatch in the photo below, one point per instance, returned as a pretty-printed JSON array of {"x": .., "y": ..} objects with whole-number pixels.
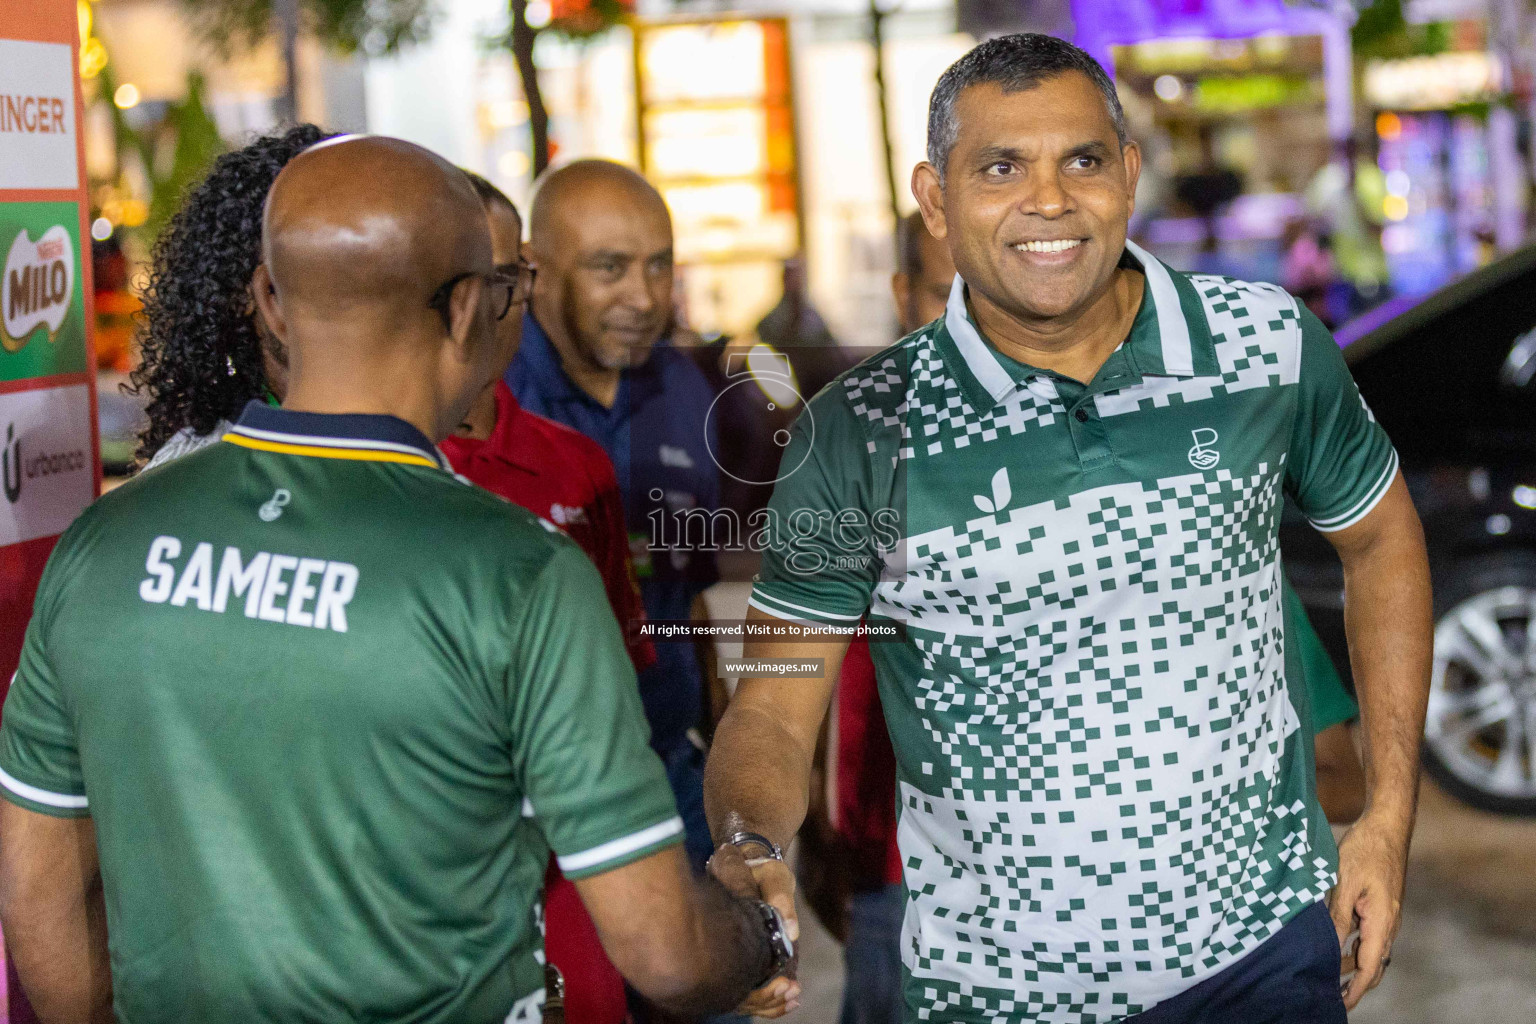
[
  {"x": 741, "y": 838},
  {"x": 780, "y": 945}
]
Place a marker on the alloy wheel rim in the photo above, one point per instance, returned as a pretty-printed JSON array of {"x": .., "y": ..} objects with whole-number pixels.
[{"x": 1482, "y": 698}]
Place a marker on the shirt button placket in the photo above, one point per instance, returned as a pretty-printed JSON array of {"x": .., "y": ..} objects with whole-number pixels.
[{"x": 1089, "y": 436}]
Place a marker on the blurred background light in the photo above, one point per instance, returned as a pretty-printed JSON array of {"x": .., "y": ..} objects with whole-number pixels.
[{"x": 1168, "y": 88}]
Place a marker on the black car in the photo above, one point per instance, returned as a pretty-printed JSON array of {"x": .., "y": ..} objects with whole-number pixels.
[{"x": 1453, "y": 381}]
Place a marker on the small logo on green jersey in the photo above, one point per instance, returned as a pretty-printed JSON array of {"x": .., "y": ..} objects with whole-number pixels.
[
  {"x": 273, "y": 507},
  {"x": 1002, "y": 493},
  {"x": 1202, "y": 455}
]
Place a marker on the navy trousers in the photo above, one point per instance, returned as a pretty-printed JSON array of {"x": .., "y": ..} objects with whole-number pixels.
[{"x": 1293, "y": 978}]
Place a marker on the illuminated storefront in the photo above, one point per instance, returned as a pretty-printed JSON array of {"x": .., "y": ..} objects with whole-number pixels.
[
  {"x": 1239, "y": 104},
  {"x": 716, "y": 117},
  {"x": 1448, "y": 148}
]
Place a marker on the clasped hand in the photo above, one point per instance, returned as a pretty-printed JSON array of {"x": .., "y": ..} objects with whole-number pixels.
[{"x": 772, "y": 881}]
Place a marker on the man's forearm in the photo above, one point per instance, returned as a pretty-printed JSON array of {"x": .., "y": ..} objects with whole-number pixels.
[
  {"x": 54, "y": 915},
  {"x": 759, "y": 771},
  {"x": 690, "y": 944},
  {"x": 759, "y": 778},
  {"x": 1388, "y": 617}
]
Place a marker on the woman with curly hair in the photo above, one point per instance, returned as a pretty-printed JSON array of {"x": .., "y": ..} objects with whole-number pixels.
[{"x": 205, "y": 350}]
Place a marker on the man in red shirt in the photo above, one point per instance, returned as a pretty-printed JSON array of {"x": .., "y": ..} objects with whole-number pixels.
[{"x": 566, "y": 478}]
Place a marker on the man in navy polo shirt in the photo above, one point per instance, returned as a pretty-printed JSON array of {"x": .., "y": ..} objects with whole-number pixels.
[{"x": 594, "y": 358}]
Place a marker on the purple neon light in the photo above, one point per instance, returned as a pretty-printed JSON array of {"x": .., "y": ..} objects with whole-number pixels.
[
  {"x": 1102, "y": 24},
  {"x": 1366, "y": 322}
]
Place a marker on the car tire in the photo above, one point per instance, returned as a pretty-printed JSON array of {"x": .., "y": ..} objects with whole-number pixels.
[{"x": 1483, "y": 688}]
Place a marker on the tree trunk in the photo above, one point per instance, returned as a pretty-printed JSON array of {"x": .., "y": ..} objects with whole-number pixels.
[
  {"x": 522, "y": 52},
  {"x": 286, "y": 14},
  {"x": 877, "y": 40}
]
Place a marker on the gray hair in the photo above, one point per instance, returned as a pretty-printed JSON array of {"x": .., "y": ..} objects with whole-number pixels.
[{"x": 1017, "y": 63}]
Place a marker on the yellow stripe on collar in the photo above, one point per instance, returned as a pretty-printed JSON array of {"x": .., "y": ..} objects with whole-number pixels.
[{"x": 355, "y": 454}]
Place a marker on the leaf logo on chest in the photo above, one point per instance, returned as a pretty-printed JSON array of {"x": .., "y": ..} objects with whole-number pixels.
[{"x": 1002, "y": 493}]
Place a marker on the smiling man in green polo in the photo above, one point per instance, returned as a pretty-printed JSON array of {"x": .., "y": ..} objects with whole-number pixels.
[{"x": 1103, "y": 741}]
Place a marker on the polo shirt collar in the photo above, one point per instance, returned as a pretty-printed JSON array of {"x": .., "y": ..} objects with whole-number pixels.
[
  {"x": 1169, "y": 337},
  {"x": 542, "y": 361},
  {"x": 360, "y": 436},
  {"x": 510, "y": 439},
  {"x": 538, "y": 354}
]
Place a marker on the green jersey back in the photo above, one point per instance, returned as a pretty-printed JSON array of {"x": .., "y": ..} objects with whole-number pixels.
[{"x": 330, "y": 709}]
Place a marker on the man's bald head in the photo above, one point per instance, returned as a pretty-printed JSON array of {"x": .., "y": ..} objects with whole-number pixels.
[
  {"x": 359, "y": 236},
  {"x": 564, "y": 191},
  {"x": 603, "y": 240},
  {"x": 368, "y": 221}
]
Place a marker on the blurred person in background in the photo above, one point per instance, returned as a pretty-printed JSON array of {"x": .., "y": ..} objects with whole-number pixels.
[
  {"x": 1207, "y": 192},
  {"x": 596, "y": 355},
  {"x": 792, "y": 355},
  {"x": 794, "y": 328},
  {"x": 204, "y": 353},
  {"x": 1306, "y": 267},
  {"x": 1346, "y": 195},
  {"x": 793, "y": 320},
  {"x": 565, "y": 478}
]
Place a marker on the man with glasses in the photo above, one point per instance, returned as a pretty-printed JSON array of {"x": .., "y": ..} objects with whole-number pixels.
[
  {"x": 551, "y": 470},
  {"x": 566, "y": 478},
  {"x": 302, "y": 742}
]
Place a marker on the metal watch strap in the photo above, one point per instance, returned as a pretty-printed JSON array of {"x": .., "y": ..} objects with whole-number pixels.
[
  {"x": 738, "y": 838},
  {"x": 780, "y": 945},
  {"x": 554, "y": 995}
]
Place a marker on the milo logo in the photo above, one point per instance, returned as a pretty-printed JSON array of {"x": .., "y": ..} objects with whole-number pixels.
[{"x": 36, "y": 285}]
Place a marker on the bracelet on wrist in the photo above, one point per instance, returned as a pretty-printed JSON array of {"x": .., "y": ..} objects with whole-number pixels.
[{"x": 742, "y": 838}]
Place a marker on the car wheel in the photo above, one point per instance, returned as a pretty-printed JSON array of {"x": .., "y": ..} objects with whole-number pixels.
[{"x": 1480, "y": 733}]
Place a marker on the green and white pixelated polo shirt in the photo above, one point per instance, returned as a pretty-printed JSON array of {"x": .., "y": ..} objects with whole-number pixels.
[
  {"x": 1104, "y": 762},
  {"x": 330, "y": 709}
]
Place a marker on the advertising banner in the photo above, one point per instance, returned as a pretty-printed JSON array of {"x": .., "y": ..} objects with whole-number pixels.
[
  {"x": 50, "y": 464},
  {"x": 37, "y": 111},
  {"x": 47, "y": 461},
  {"x": 49, "y": 457}
]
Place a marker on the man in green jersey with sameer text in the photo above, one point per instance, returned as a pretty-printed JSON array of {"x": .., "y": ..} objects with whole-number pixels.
[{"x": 301, "y": 716}]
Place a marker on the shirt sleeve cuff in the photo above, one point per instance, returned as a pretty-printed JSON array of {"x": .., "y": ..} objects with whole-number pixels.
[
  {"x": 43, "y": 801},
  {"x": 795, "y": 611},
  {"x": 1362, "y": 506},
  {"x": 626, "y": 849}
]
